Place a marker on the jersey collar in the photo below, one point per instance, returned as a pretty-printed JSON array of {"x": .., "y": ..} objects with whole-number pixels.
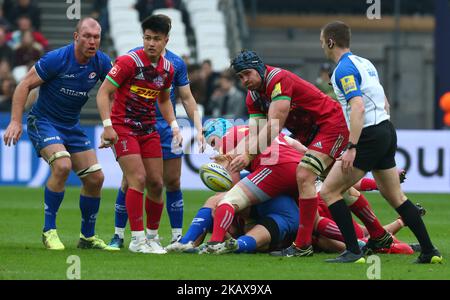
[{"x": 346, "y": 54}]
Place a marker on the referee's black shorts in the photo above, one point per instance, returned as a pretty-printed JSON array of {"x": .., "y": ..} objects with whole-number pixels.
[{"x": 376, "y": 147}]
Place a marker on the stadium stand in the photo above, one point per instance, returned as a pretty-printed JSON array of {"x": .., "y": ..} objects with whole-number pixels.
[{"x": 209, "y": 26}]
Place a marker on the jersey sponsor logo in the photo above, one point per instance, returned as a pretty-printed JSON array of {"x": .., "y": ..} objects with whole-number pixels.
[
  {"x": 276, "y": 90},
  {"x": 70, "y": 92},
  {"x": 92, "y": 75},
  {"x": 349, "y": 84},
  {"x": 144, "y": 92},
  {"x": 68, "y": 76},
  {"x": 115, "y": 70}
]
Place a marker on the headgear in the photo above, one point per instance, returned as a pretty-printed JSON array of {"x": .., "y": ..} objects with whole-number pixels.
[
  {"x": 248, "y": 59},
  {"x": 217, "y": 127}
]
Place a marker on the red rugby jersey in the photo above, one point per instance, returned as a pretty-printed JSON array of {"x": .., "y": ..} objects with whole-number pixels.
[
  {"x": 279, "y": 152},
  {"x": 310, "y": 108},
  {"x": 139, "y": 84}
]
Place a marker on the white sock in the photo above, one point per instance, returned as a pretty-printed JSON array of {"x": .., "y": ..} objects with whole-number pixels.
[
  {"x": 137, "y": 235},
  {"x": 119, "y": 231},
  {"x": 151, "y": 233},
  {"x": 176, "y": 232}
]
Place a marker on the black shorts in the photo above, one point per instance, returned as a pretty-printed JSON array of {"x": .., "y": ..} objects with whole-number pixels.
[{"x": 376, "y": 147}]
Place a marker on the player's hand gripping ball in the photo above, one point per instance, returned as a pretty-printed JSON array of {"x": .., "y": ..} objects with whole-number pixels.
[{"x": 215, "y": 177}]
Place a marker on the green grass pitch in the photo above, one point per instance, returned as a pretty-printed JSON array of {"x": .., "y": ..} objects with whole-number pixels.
[{"x": 22, "y": 255}]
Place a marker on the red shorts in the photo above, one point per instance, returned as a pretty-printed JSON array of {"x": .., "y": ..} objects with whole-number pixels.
[
  {"x": 331, "y": 141},
  {"x": 267, "y": 182},
  {"x": 148, "y": 146}
]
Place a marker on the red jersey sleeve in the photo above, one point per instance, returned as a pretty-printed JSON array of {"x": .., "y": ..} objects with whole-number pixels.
[
  {"x": 279, "y": 88},
  {"x": 122, "y": 70}
]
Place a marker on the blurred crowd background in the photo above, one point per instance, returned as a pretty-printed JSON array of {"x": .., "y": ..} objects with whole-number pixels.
[{"x": 407, "y": 45}]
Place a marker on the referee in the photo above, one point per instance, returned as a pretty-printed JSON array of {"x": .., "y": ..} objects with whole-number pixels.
[{"x": 372, "y": 146}]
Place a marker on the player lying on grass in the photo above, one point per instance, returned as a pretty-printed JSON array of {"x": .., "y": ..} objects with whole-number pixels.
[
  {"x": 268, "y": 177},
  {"x": 204, "y": 217},
  {"x": 272, "y": 225},
  {"x": 262, "y": 227}
]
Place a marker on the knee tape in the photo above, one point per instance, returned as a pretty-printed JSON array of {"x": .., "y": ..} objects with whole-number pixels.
[
  {"x": 349, "y": 198},
  {"x": 87, "y": 171},
  {"x": 57, "y": 155},
  {"x": 237, "y": 197},
  {"x": 315, "y": 164}
]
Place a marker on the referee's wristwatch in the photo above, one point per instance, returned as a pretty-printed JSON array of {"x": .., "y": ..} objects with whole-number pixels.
[{"x": 350, "y": 145}]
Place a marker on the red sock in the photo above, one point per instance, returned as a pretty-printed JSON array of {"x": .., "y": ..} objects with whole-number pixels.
[
  {"x": 361, "y": 208},
  {"x": 222, "y": 221},
  {"x": 329, "y": 229},
  {"x": 308, "y": 211},
  {"x": 358, "y": 230},
  {"x": 133, "y": 202},
  {"x": 154, "y": 211},
  {"x": 368, "y": 184}
]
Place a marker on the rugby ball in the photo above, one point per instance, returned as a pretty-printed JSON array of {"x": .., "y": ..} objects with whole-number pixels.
[{"x": 215, "y": 177}]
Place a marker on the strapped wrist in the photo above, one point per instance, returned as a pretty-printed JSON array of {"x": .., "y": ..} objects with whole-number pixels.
[
  {"x": 107, "y": 122},
  {"x": 174, "y": 124}
]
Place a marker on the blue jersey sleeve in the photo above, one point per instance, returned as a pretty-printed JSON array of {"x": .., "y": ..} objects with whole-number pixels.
[
  {"x": 181, "y": 77},
  {"x": 49, "y": 65},
  {"x": 348, "y": 79},
  {"x": 106, "y": 65}
]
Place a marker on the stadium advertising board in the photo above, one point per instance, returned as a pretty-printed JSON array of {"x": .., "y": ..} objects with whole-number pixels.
[{"x": 425, "y": 154}]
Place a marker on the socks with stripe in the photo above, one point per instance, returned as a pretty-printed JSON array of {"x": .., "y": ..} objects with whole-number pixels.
[
  {"x": 52, "y": 201},
  {"x": 308, "y": 211},
  {"x": 154, "y": 212},
  {"x": 358, "y": 230},
  {"x": 328, "y": 228},
  {"x": 201, "y": 223},
  {"x": 222, "y": 221},
  {"x": 361, "y": 208},
  {"x": 134, "y": 202}
]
